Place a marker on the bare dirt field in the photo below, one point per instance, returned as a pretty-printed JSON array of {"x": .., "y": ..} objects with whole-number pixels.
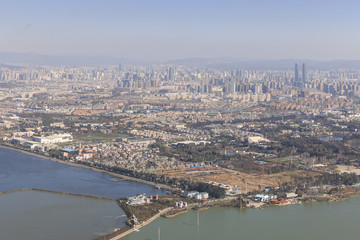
[
  {"x": 348, "y": 169},
  {"x": 237, "y": 180}
]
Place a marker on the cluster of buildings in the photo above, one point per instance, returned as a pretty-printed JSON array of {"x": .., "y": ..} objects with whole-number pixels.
[
  {"x": 139, "y": 199},
  {"x": 115, "y": 115},
  {"x": 72, "y": 90},
  {"x": 40, "y": 143},
  {"x": 197, "y": 195},
  {"x": 132, "y": 155},
  {"x": 274, "y": 198},
  {"x": 180, "y": 205}
]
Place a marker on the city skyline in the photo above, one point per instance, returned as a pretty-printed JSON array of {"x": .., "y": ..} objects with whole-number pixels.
[
  {"x": 116, "y": 114},
  {"x": 162, "y": 31}
]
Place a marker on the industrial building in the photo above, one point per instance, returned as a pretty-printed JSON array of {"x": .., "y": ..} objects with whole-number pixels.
[{"x": 56, "y": 138}]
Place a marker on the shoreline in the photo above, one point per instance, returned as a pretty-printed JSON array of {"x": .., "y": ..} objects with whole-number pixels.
[
  {"x": 137, "y": 227},
  {"x": 9, "y": 147},
  {"x": 121, "y": 235},
  {"x": 58, "y": 192},
  {"x": 111, "y": 235},
  {"x": 160, "y": 213},
  {"x": 175, "y": 214}
]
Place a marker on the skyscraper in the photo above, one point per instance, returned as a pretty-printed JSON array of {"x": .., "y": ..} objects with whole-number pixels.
[
  {"x": 304, "y": 77},
  {"x": 232, "y": 86},
  {"x": 296, "y": 74},
  {"x": 170, "y": 74}
]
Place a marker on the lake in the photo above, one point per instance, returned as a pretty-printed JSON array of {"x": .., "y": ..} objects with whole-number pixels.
[
  {"x": 31, "y": 215},
  {"x": 34, "y": 215},
  {"x": 19, "y": 170},
  {"x": 314, "y": 221}
]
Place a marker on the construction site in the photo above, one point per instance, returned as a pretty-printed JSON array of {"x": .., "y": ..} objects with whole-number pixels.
[{"x": 233, "y": 180}]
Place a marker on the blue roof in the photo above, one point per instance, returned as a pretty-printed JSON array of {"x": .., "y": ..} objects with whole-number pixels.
[{"x": 68, "y": 150}]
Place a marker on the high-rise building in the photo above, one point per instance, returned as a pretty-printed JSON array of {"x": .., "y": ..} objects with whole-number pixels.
[
  {"x": 232, "y": 86},
  {"x": 304, "y": 74},
  {"x": 170, "y": 74},
  {"x": 296, "y": 74}
]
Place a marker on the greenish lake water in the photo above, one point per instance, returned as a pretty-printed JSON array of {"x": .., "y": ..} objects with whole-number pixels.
[
  {"x": 34, "y": 215},
  {"x": 39, "y": 215},
  {"x": 313, "y": 221}
]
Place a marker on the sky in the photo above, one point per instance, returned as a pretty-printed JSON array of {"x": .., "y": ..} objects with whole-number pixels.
[{"x": 161, "y": 30}]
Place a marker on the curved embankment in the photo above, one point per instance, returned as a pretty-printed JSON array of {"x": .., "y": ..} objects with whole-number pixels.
[
  {"x": 14, "y": 148},
  {"x": 71, "y": 194},
  {"x": 174, "y": 214},
  {"x": 135, "y": 229},
  {"x": 112, "y": 236},
  {"x": 58, "y": 192},
  {"x": 124, "y": 232}
]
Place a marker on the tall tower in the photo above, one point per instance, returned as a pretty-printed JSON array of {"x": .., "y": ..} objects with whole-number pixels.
[
  {"x": 232, "y": 86},
  {"x": 304, "y": 74},
  {"x": 170, "y": 74},
  {"x": 296, "y": 74}
]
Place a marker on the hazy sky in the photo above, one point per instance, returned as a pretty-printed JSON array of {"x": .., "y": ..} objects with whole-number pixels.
[{"x": 169, "y": 29}]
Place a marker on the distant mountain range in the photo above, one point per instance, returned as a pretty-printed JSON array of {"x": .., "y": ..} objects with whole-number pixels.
[
  {"x": 57, "y": 60},
  {"x": 265, "y": 64},
  {"x": 10, "y": 58}
]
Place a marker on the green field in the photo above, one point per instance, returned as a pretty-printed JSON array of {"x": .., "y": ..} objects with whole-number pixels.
[{"x": 98, "y": 138}]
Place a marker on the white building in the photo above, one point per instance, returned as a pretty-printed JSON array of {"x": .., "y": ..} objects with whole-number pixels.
[
  {"x": 191, "y": 194},
  {"x": 142, "y": 142},
  {"x": 256, "y": 139},
  {"x": 138, "y": 200},
  {"x": 38, "y": 146},
  {"x": 56, "y": 138},
  {"x": 201, "y": 195}
]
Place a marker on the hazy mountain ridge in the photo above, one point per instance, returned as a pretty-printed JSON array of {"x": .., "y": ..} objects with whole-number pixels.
[
  {"x": 265, "y": 64},
  {"x": 58, "y": 60},
  {"x": 10, "y": 58}
]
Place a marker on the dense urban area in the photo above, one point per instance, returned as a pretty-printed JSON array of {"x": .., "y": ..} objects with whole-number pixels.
[{"x": 221, "y": 132}]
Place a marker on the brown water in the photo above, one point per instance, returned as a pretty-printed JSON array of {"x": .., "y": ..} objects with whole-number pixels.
[{"x": 34, "y": 215}]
